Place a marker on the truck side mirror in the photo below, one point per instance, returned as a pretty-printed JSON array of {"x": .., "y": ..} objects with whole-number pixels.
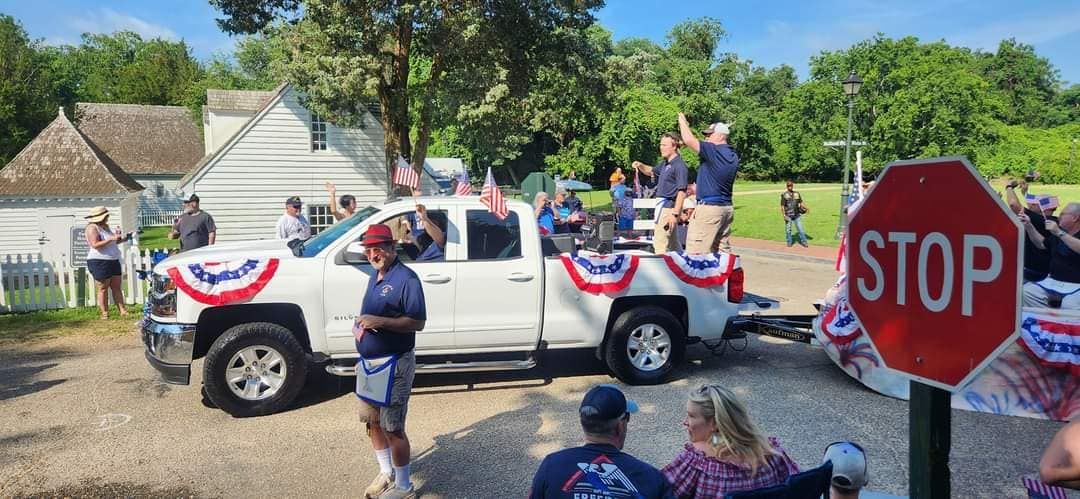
[{"x": 354, "y": 253}]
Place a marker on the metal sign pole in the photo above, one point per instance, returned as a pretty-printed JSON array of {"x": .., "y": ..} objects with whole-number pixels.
[{"x": 929, "y": 441}]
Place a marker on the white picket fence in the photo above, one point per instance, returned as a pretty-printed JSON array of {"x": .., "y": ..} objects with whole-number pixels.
[
  {"x": 28, "y": 283},
  {"x": 153, "y": 218}
]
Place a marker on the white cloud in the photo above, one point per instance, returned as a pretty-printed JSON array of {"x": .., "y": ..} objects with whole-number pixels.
[{"x": 106, "y": 20}]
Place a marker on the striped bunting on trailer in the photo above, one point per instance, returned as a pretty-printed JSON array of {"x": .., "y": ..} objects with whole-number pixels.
[
  {"x": 1039, "y": 490},
  {"x": 1053, "y": 339},
  {"x": 704, "y": 271},
  {"x": 595, "y": 273},
  {"x": 221, "y": 283}
]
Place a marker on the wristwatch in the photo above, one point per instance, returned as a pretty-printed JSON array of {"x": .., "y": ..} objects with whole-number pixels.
[{"x": 1060, "y": 233}]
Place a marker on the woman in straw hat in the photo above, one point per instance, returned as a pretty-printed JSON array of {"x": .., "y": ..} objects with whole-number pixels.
[{"x": 103, "y": 259}]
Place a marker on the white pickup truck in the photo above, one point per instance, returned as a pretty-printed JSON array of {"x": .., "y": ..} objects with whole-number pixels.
[{"x": 500, "y": 296}]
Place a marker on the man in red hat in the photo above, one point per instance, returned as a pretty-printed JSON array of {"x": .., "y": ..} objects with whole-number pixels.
[{"x": 393, "y": 311}]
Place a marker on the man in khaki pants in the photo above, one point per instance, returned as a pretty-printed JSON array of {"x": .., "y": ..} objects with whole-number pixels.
[
  {"x": 672, "y": 177},
  {"x": 710, "y": 225}
]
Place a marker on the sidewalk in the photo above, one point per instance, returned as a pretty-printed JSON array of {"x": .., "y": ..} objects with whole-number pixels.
[{"x": 776, "y": 249}]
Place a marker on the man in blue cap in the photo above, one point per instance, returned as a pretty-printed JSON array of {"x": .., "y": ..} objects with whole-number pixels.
[{"x": 600, "y": 468}]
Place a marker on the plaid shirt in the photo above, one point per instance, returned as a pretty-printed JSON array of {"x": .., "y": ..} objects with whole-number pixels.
[{"x": 694, "y": 475}]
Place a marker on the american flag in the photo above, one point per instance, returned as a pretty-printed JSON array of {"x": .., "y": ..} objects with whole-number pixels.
[
  {"x": 405, "y": 175},
  {"x": 464, "y": 188},
  {"x": 492, "y": 197},
  {"x": 1038, "y": 490}
]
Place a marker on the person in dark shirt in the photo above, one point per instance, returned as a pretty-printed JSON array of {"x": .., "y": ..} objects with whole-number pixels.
[
  {"x": 195, "y": 228},
  {"x": 1036, "y": 259},
  {"x": 393, "y": 310},
  {"x": 672, "y": 176},
  {"x": 431, "y": 242},
  {"x": 600, "y": 468},
  {"x": 573, "y": 202},
  {"x": 1063, "y": 243},
  {"x": 710, "y": 225},
  {"x": 792, "y": 208}
]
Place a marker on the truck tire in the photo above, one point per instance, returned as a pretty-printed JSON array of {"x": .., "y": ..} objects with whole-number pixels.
[
  {"x": 254, "y": 369},
  {"x": 645, "y": 345}
]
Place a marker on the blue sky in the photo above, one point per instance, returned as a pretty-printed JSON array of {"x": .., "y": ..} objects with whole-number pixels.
[{"x": 769, "y": 33}]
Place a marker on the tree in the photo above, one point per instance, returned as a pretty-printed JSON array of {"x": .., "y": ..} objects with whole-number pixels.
[
  {"x": 1026, "y": 82},
  {"x": 27, "y": 103},
  {"x": 343, "y": 53}
]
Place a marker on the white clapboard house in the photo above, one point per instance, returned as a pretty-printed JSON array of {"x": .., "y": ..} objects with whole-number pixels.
[{"x": 263, "y": 147}]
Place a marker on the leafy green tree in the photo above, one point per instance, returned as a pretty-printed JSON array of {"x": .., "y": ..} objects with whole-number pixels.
[
  {"x": 27, "y": 102},
  {"x": 343, "y": 53},
  {"x": 1026, "y": 82}
]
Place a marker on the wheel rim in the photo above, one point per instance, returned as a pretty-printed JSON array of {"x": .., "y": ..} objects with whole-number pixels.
[
  {"x": 649, "y": 347},
  {"x": 256, "y": 372}
]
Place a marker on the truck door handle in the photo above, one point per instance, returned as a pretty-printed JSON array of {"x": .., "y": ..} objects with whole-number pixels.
[
  {"x": 436, "y": 279},
  {"x": 520, "y": 277}
]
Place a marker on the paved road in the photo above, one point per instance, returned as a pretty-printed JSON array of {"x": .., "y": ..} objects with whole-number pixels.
[{"x": 93, "y": 419}]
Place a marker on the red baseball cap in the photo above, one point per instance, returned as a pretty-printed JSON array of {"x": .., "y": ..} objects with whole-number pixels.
[{"x": 377, "y": 234}]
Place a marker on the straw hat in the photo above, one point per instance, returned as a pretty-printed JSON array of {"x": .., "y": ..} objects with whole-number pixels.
[{"x": 98, "y": 214}]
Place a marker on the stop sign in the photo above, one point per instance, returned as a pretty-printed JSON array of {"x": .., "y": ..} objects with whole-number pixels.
[{"x": 934, "y": 269}]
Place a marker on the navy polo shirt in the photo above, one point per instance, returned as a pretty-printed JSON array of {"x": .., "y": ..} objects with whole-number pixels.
[
  {"x": 398, "y": 294},
  {"x": 671, "y": 177},
  {"x": 716, "y": 175},
  {"x": 597, "y": 470},
  {"x": 432, "y": 253}
]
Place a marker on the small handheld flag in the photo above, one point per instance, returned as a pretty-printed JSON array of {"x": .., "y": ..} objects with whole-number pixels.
[
  {"x": 405, "y": 175},
  {"x": 492, "y": 197}
]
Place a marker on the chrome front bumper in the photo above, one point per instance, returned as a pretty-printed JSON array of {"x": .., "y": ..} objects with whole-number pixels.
[{"x": 169, "y": 348}]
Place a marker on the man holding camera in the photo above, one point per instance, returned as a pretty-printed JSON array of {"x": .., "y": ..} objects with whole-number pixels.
[
  {"x": 792, "y": 208},
  {"x": 195, "y": 228}
]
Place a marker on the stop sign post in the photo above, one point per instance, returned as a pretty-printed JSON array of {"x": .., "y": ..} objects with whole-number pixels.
[{"x": 934, "y": 272}]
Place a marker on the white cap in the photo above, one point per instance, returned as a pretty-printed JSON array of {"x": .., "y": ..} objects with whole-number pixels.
[
  {"x": 718, "y": 127},
  {"x": 849, "y": 467}
]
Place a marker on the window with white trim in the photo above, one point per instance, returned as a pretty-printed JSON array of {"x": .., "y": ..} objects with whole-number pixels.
[
  {"x": 320, "y": 217},
  {"x": 318, "y": 133}
]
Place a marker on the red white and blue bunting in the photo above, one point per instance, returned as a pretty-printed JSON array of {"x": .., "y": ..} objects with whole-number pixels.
[
  {"x": 221, "y": 283},
  {"x": 595, "y": 273},
  {"x": 1053, "y": 339},
  {"x": 839, "y": 323},
  {"x": 705, "y": 270}
]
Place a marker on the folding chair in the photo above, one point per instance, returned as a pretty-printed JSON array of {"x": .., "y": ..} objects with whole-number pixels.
[{"x": 810, "y": 484}]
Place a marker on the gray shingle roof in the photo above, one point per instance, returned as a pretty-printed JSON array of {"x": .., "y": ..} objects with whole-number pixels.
[
  {"x": 238, "y": 100},
  {"x": 60, "y": 161},
  {"x": 160, "y": 140}
]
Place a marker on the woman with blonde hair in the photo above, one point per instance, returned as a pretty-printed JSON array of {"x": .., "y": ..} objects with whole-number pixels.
[
  {"x": 726, "y": 452},
  {"x": 103, "y": 259}
]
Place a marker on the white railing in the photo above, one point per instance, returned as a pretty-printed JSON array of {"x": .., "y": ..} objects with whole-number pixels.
[
  {"x": 27, "y": 282},
  {"x": 153, "y": 218}
]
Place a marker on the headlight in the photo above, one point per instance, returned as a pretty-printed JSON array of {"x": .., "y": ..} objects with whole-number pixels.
[{"x": 162, "y": 296}]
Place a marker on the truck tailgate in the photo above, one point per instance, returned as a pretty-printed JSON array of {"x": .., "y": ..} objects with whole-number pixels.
[{"x": 757, "y": 303}]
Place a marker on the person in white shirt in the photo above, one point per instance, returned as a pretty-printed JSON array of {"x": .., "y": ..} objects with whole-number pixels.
[{"x": 293, "y": 225}]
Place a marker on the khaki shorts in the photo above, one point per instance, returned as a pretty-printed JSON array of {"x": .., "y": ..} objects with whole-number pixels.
[
  {"x": 664, "y": 241},
  {"x": 710, "y": 229},
  {"x": 392, "y": 417}
]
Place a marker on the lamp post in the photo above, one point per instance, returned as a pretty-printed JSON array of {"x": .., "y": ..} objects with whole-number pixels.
[{"x": 851, "y": 88}]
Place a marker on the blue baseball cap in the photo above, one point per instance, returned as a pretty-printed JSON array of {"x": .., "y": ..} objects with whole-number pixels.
[{"x": 606, "y": 402}]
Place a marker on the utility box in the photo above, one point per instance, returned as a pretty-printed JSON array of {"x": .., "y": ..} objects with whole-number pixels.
[{"x": 535, "y": 183}]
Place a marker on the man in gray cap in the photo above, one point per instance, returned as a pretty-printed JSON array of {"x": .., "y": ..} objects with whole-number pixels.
[
  {"x": 195, "y": 228},
  {"x": 293, "y": 224},
  {"x": 599, "y": 468},
  {"x": 849, "y": 469},
  {"x": 710, "y": 225}
]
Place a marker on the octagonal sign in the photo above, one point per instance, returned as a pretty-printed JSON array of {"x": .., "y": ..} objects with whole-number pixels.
[{"x": 934, "y": 270}]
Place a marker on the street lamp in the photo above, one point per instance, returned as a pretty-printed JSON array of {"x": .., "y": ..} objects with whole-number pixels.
[{"x": 851, "y": 88}]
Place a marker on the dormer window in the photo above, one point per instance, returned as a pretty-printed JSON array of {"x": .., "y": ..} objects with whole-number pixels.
[{"x": 318, "y": 133}]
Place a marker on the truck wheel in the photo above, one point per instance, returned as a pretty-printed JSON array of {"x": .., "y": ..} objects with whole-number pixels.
[
  {"x": 254, "y": 369},
  {"x": 645, "y": 344}
]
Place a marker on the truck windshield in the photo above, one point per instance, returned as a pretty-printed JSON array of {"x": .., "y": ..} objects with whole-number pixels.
[{"x": 315, "y": 245}]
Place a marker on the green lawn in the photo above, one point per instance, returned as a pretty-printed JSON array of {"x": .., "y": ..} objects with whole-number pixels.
[
  {"x": 157, "y": 238},
  {"x": 66, "y": 322}
]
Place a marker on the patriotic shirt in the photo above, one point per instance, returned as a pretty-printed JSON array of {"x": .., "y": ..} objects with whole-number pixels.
[
  {"x": 694, "y": 475},
  {"x": 597, "y": 470}
]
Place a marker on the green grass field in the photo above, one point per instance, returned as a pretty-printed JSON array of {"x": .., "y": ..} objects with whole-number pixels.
[
  {"x": 757, "y": 207},
  {"x": 66, "y": 322},
  {"x": 157, "y": 238}
]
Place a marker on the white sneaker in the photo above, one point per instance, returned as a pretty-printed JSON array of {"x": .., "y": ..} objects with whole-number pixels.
[
  {"x": 396, "y": 493},
  {"x": 382, "y": 483}
]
